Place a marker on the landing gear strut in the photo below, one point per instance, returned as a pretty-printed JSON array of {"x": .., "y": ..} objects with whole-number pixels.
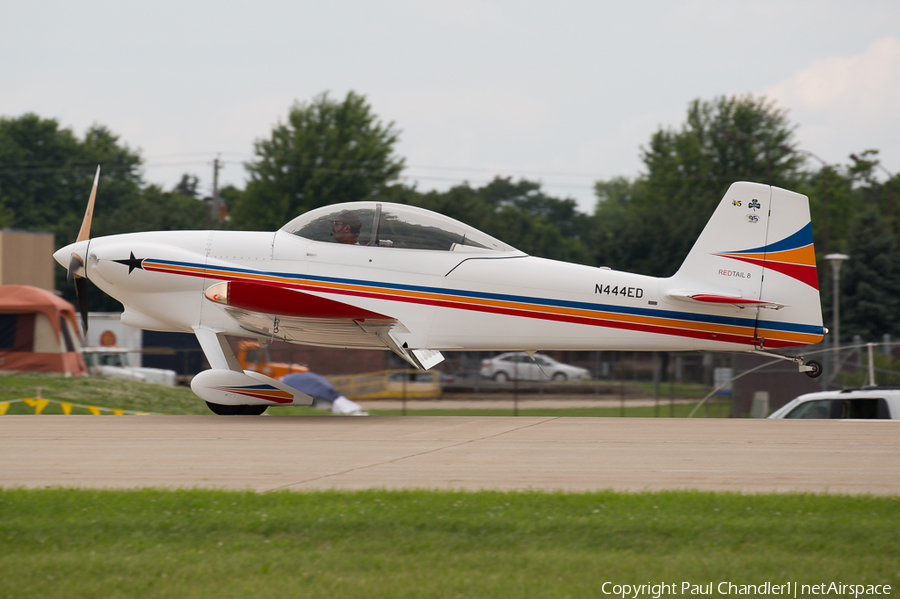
[{"x": 812, "y": 369}]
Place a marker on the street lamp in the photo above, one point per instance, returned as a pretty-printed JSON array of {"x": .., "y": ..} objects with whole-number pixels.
[{"x": 836, "y": 260}]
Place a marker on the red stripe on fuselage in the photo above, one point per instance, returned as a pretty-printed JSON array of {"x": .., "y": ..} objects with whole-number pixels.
[{"x": 522, "y": 313}]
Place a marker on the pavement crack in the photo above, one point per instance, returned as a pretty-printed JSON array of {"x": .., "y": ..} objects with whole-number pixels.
[{"x": 409, "y": 456}]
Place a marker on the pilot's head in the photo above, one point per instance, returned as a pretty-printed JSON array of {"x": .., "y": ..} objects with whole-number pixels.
[{"x": 345, "y": 226}]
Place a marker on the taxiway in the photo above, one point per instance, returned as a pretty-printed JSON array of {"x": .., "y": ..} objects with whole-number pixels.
[{"x": 441, "y": 452}]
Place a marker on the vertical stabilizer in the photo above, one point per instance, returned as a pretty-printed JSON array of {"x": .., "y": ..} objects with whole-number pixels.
[
  {"x": 757, "y": 249},
  {"x": 740, "y": 221}
]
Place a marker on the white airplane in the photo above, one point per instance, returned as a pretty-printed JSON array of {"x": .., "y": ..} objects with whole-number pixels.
[{"x": 377, "y": 275}]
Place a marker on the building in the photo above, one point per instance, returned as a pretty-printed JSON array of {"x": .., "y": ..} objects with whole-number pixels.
[{"x": 26, "y": 258}]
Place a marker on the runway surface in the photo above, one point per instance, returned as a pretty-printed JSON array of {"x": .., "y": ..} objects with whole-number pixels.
[{"x": 446, "y": 452}]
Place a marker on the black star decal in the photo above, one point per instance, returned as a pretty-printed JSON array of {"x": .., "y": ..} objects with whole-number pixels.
[{"x": 131, "y": 263}]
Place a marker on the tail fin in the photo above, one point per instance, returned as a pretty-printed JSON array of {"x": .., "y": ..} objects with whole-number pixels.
[{"x": 756, "y": 252}]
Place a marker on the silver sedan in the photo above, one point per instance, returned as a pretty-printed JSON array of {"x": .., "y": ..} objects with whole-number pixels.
[{"x": 520, "y": 366}]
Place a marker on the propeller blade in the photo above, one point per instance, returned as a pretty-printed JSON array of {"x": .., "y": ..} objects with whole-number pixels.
[
  {"x": 75, "y": 262},
  {"x": 85, "y": 232},
  {"x": 81, "y": 293}
]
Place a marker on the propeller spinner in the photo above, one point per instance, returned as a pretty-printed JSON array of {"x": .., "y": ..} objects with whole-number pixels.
[{"x": 77, "y": 262}]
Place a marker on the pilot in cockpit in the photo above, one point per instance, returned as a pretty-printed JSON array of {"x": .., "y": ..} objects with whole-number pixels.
[{"x": 345, "y": 227}]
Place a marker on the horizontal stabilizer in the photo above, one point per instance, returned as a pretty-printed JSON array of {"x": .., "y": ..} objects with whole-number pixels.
[{"x": 740, "y": 302}]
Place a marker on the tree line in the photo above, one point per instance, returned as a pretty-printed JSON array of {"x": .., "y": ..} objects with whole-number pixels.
[{"x": 336, "y": 150}]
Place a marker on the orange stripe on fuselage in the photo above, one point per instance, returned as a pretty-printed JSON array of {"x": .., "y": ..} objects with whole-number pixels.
[{"x": 673, "y": 326}]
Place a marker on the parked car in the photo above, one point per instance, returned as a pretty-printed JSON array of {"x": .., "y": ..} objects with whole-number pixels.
[
  {"x": 520, "y": 366},
  {"x": 867, "y": 403}
]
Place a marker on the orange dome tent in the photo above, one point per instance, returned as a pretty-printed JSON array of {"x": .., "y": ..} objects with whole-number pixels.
[{"x": 38, "y": 332}]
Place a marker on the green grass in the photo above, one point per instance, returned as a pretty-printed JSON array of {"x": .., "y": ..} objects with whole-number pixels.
[
  {"x": 143, "y": 397},
  {"x": 677, "y": 390},
  {"x": 109, "y": 393},
  {"x": 152, "y": 543}
]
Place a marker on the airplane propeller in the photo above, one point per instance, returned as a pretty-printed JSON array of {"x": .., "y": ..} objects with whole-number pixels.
[{"x": 77, "y": 262}]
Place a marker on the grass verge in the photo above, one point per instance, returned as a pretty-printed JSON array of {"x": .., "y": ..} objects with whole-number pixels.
[
  {"x": 93, "y": 391},
  {"x": 143, "y": 397},
  {"x": 201, "y": 543}
]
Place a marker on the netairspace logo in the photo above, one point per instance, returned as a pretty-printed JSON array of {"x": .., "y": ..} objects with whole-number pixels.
[{"x": 788, "y": 589}]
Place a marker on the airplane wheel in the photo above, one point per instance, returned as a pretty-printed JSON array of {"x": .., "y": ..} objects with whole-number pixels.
[
  {"x": 501, "y": 377},
  {"x": 816, "y": 369},
  {"x": 223, "y": 410}
]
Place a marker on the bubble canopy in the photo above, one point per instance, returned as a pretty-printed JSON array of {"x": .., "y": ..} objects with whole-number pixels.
[{"x": 382, "y": 224}]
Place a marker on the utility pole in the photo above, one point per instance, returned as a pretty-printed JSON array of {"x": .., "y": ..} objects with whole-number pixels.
[
  {"x": 836, "y": 260},
  {"x": 216, "y": 201}
]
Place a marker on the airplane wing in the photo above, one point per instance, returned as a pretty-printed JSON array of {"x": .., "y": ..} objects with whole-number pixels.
[{"x": 299, "y": 317}]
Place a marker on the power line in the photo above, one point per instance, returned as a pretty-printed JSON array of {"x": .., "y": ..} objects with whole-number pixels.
[
  {"x": 350, "y": 163},
  {"x": 486, "y": 181},
  {"x": 157, "y": 156},
  {"x": 509, "y": 171}
]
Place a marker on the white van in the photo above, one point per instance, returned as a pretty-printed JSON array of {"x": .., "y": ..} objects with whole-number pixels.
[{"x": 867, "y": 403}]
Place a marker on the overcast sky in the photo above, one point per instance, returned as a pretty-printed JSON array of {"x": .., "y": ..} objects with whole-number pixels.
[{"x": 561, "y": 92}]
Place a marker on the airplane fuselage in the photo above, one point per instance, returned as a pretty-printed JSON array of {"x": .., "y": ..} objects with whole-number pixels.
[{"x": 444, "y": 300}]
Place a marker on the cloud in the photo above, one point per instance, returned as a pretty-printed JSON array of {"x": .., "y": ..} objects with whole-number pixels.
[
  {"x": 847, "y": 104},
  {"x": 618, "y": 153},
  {"x": 470, "y": 14},
  {"x": 867, "y": 82},
  {"x": 511, "y": 112}
]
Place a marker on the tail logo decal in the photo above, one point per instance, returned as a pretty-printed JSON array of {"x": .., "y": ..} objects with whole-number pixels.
[{"x": 792, "y": 256}]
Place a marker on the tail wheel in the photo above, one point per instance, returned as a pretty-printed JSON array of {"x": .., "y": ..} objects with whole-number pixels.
[
  {"x": 816, "y": 369},
  {"x": 223, "y": 410}
]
